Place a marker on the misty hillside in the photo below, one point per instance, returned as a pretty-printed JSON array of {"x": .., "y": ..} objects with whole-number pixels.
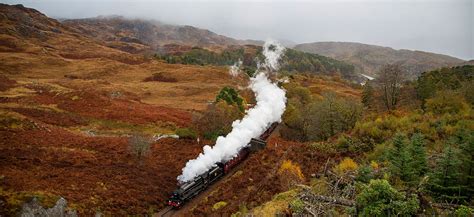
[
  {"x": 369, "y": 58},
  {"x": 185, "y": 45},
  {"x": 119, "y": 32},
  {"x": 470, "y": 62}
]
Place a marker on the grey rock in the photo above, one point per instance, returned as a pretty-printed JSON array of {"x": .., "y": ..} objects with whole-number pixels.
[{"x": 34, "y": 209}]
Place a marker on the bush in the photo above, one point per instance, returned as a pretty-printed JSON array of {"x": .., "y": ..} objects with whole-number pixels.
[
  {"x": 186, "y": 133},
  {"x": 343, "y": 143},
  {"x": 365, "y": 174},
  {"x": 216, "y": 120},
  {"x": 346, "y": 165},
  {"x": 160, "y": 77},
  {"x": 323, "y": 147},
  {"x": 139, "y": 144},
  {"x": 446, "y": 102},
  {"x": 219, "y": 205},
  {"x": 464, "y": 211},
  {"x": 290, "y": 174},
  {"x": 230, "y": 95},
  {"x": 213, "y": 135},
  {"x": 297, "y": 206},
  {"x": 379, "y": 198}
]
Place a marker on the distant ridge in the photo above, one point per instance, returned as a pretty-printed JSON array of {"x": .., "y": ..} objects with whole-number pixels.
[{"x": 369, "y": 58}]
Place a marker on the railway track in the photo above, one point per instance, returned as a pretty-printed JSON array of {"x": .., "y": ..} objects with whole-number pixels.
[
  {"x": 166, "y": 212},
  {"x": 223, "y": 170}
]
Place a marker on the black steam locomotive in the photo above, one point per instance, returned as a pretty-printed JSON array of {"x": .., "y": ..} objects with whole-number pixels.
[{"x": 192, "y": 188}]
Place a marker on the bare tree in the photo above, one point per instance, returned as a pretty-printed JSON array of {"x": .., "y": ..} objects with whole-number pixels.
[
  {"x": 329, "y": 116},
  {"x": 390, "y": 81},
  {"x": 139, "y": 145},
  {"x": 217, "y": 119}
]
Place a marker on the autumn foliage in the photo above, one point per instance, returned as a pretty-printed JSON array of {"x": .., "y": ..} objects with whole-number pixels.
[{"x": 290, "y": 173}]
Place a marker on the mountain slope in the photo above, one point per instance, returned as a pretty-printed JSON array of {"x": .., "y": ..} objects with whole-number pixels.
[
  {"x": 118, "y": 31},
  {"x": 68, "y": 104},
  {"x": 36, "y": 48},
  {"x": 26, "y": 31},
  {"x": 191, "y": 45},
  {"x": 369, "y": 58}
]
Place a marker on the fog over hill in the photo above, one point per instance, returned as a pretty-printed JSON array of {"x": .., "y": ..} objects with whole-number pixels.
[
  {"x": 153, "y": 33},
  {"x": 441, "y": 26},
  {"x": 139, "y": 35},
  {"x": 370, "y": 58}
]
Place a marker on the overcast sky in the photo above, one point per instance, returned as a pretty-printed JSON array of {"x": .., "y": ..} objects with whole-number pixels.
[{"x": 441, "y": 26}]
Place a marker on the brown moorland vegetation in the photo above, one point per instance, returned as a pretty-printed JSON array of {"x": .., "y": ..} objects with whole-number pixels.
[{"x": 68, "y": 104}]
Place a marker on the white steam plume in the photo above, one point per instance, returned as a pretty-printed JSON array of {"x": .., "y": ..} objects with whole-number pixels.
[
  {"x": 235, "y": 69},
  {"x": 272, "y": 52},
  {"x": 271, "y": 103}
]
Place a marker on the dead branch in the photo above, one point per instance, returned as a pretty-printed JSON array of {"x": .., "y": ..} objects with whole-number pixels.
[{"x": 310, "y": 197}]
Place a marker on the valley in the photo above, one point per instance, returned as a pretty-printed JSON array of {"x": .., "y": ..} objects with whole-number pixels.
[{"x": 105, "y": 112}]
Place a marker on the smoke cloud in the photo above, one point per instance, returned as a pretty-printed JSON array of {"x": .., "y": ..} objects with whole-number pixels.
[
  {"x": 235, "y": 69},
  {"x": 272, "y": 52},
  {"x": 271, "y": 103}
]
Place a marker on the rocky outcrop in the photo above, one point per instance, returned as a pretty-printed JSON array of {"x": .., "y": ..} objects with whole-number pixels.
[{"x": 34, "y": 209}]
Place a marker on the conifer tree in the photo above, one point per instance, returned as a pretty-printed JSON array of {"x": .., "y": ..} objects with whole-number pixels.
[
  {"x": 445, "y": 183},
  {"x": 399, "y": 158},
  {"x": 465, "y": 139},
  {"x": 418, "y": 163},
  {"x": 367, "y": 95}
]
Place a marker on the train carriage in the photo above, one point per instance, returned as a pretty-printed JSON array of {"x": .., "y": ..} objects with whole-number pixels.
[{"x": 190, "y": 189}]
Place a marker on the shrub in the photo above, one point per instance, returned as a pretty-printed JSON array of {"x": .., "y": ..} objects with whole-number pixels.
[
  {"x": 379, "y": 198},
  {"x": 216, "y": 120},
  {"x": 464, "y": 211},
  {"x": 320, "y": 186},
  {"x": 250, "y": 71},
  {"x": 297, "y": 206},
  {"x": 290, "y": 173},
  {"x": 323, "y": 147},
  {"x": 379, "y": 152},
  {"x": 230, "y": 95},
  {"x": 364, "y": 174},
  {"x": 213, "y": 135},
  {"x": 446, "y": 102},
  {"x": 287, "y": 165},
  {"x": 374, "y": 165},
  {"x": 219, "y": 205},
  {"x": 186, "y": 133},
  {"x": 278, "y": 205},
  {"x": 160, "y": 76},
  {"x": 343, "y": 143},
  {"x": 346, "y": 165},
  {"x": 139, "y": 144}
]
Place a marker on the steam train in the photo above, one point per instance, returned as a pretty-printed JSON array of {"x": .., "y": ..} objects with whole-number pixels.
[{"x": 192, "y": 188}]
